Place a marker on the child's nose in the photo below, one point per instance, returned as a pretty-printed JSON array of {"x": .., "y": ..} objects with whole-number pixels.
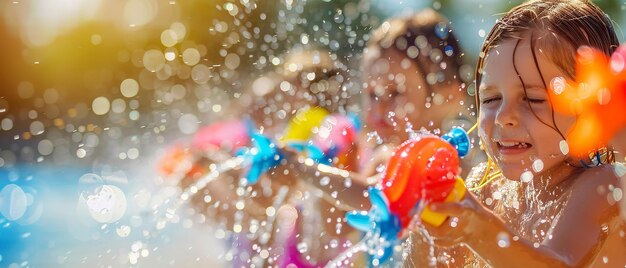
[
  {"x": 507, "y": 116},
  {"x": 382, "y": 106}
]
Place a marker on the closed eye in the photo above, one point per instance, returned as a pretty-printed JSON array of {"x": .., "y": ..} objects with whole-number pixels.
[
  {"x": 373, "y": 96},
  {"x": 531, "y": 100},
  {"x": 489, "y": 100}
]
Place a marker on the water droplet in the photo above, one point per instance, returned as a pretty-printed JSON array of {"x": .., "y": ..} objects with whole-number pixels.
[
  {"x": 270, "y": 211},
  {"x": 334, "y": 243},
  {"x": 118, "y": 106},
  {"x": 169, "y": 38},
  {"x": 604, "y": 96},
  {"x": 107, "y": 204},
  {"x": 200, "y": 74},
  {"x": 324, "y": 181},
  {"x": 617, "y": 194},
  {"x": 619, "y": 169},
  {"x": 564, "y": 147},
  {"x": 191, "y": 56},
  {"x": 153, "y": 60},
  {"x": 303, "y": 247},
  {"x": 558, "y": 84},
  {"x": 454, "y": 222},
  {"x": 129, "y": 87},
  {"x": 6, "y": 124},
  {"x": 347, "y": 183},
  {"x": 232, "y": 61},
  {"x": 527, "y": 176},
  {"x": 617, "y": 62},
  {"x": 14, "y": 202},
  {"x": 100, "y": 105},
  {"x": 171, "y": 53},
  {"x": 45, "y": 147},
  {"x": 188, "y": 123},
  {"x": 481, "y": 33},
  {"x": 220, "y": 234},
  {"x": 240, "y": 205},
  {"x": 538, "y": 165},
  {"x": 123, "y": 230},
  {"x": 237, "y": 228},
  {"x": 503, "y": 240},
  {"x": 179, "y": 29},
  {"x": 264, "y": 254},
  {"x": 133, "y": 153},
  {"x": 374, "y": 135},
  {"x": 36, "y": 128}
]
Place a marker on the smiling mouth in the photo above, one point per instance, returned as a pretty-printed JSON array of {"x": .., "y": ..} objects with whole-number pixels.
[
  {"x": 513, "y": 147},
  {"x": 381, "y": 123}
]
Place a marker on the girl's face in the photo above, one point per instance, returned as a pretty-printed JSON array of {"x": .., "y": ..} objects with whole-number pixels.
[
  {"x": 396, "y": 94},
  {"x": 512, "y": 134}
]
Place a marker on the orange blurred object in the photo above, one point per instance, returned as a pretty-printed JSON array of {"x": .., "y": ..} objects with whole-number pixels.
[
  {"x": 179, "y": 162},
  {"x": 597, "y": 98}
]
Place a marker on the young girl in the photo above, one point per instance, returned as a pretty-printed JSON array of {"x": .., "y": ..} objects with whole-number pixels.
[
  {"x": 542, "y": 208},
  {"x": 414, "y": 79}
]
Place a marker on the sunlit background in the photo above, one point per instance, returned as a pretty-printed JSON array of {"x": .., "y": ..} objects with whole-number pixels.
[{"x": 92, "y": 91}]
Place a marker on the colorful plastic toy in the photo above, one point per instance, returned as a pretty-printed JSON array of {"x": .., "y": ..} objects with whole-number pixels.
[
  {"x": 421, "y": 170},
  {"x": 333, "y": 138},
  {"x": 597, "y": 98},
  {"x": 261, "y": 157},
  {"x": 228, "y": 134},
  {"x": 301, "y": 125}
]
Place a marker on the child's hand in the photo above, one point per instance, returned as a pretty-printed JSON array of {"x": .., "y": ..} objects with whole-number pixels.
[
  {"x": 380, "y": 156},
  {"x": 469, "y": 222}
]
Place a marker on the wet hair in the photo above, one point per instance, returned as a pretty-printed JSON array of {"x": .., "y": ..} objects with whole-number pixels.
[
  {"x": 426, "y": 38},
  {"x": 307, "y": 77},
  {"x": 559, "y": 27},
  {"x": 320, "y": 74}
]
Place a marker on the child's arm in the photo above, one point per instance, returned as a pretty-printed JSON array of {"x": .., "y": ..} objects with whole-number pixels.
[
  {"x": 343, "y": 188},
  {"x": 573, "y": 241},
  {"x": 219, "y": 198}
]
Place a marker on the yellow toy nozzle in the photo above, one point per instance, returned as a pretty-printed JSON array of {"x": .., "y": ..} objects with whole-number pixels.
[
  {"x": 301, "y": 125},
  {"x": 436, "y": 219}
]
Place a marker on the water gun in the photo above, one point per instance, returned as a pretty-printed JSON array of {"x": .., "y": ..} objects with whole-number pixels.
[
  {"x": 261, "y": 157},
  {"x": 303, "y": 123},
  {"x": 232, "y": 135},
  {"x": 180, "y": 160},
  {"x": 333, "y": 138},
  {"x": 421, "y": 170}
]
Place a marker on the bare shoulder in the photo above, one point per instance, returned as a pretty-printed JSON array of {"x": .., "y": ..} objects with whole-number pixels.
[
  {"x": 597, "y": 179},
  {"x": 598, "y": 189}
]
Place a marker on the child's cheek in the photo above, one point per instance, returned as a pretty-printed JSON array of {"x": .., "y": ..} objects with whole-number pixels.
[{"x": 486, "y": 121}]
